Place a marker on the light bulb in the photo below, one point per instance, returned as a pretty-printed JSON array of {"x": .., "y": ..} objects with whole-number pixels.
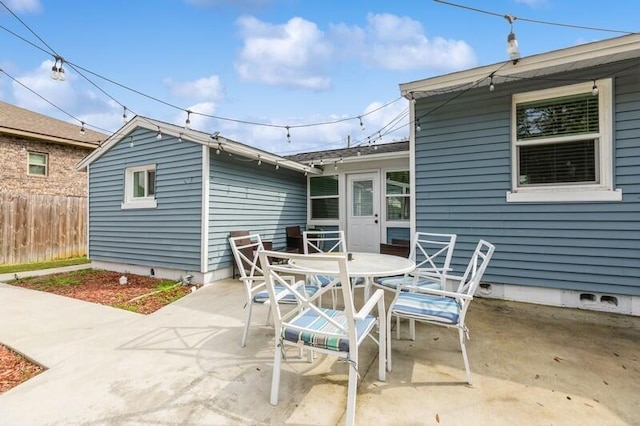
[
  {"x": 418, "y": 127},
  {"x": 61, "y": 75},
  {"x": 277, "y": 165},
  {"x": 594, "y": 89},
  {"x": 180, "y": 137},
  {"x": 54, "y": 71},
  {"x": 361, "y": 123},
  {"x": 159, "y": 135},
  {"x": 259, "y": 160},
  {"x": 512, "y": 47},
  {"x": 82, "y": 132},
  {"x": 124, "y": 114}
]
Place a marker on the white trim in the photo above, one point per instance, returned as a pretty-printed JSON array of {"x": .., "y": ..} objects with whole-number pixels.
[
  {"x": 131, "y": 202},
  {"x": 412, "y": 169},
  {"x": 601, "y": 191},
  {"x": 204, "y": 230},
  {"x": 86, "y": 224},
  {"x": 568, "y": 59}
]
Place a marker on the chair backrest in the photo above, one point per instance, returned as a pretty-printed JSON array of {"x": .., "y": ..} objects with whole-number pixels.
[
  {"x": 294, "y": 231},
  {"x": 395, "y": 249},
  {"x": 475, "y": 270},
  {"x": 324, "y": 242},
  {"x": 278, "y": 269},
  {"x": 294, "y": 239},
  {"x": 245, "y": 252},
  {"x": 432, "y": 254}
]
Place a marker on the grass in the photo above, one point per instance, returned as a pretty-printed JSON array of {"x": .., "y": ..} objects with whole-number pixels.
[{"x": 36, "y": 266}]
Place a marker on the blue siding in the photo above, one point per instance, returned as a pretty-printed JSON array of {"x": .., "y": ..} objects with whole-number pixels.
[
  {"x": 167, "y": 236},
  {"x": 260, "y": 199},
  {"x": 463, "y": 164}
]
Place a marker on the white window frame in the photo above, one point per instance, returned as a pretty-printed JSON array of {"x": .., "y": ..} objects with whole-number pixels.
[
  {"x": 131, "y": 202},
  {"x": 46, "y": 164},
  {"x": 600, "y": 191},
  {"x": 396, "y": 223},
  {"x": 338, "y": 196}
]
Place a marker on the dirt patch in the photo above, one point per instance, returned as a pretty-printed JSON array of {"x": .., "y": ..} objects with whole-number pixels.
[{"x": 140, "y": 294}]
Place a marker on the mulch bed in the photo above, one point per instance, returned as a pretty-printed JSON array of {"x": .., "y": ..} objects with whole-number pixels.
[{"x": 15, "y": 369}]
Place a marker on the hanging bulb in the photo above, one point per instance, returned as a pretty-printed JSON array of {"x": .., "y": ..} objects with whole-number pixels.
[
  {"x": 187, "y": 122},
  {"x": 594, "y": 89},
  {"x": 54, "y": 71},
  {"x": 361, "y": 123},
  {"x": 218, "y": 149},
  {"x": 288, "y": 135},
  {"x": 413, "y": 98},
  {"x": 335, "y": 166},
  {"x": 311, "y": 164},
  {"x": 375, "y": 147},
  {"x": 277, "y": 165},
  {"x": 418, "y": 128},
  {"x": 322, "y": 162},
  {"x": 306, "y": 172},
  {"x": 492, "y": 86},
  {"x": 124, "y": 115},
  {"x": 131, "y": 142},
  {"x": 61, "y": 76},
  {"x": 82, "y": 132},
  {"x": 180, "y": 137},
  {"x": 259, "y": 160},
  {"x": 512, "y": 47}
]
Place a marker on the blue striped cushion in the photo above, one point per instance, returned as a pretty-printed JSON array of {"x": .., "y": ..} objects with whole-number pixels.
[
  {"x": 436, "y": 308},
  {"x": 393, "y": 282},
  {"x": 325, "y": 280},
  {"x": 263, "y": 296},
  {"x": 320, "y": 327}
]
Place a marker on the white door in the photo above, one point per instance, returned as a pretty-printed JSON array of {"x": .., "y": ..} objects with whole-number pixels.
[{"x": 363, "y": 204}]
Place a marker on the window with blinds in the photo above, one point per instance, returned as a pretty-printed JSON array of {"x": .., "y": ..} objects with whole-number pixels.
[
  {"x": 557, "y": 140},
  {"x": 324, "y": 197}
]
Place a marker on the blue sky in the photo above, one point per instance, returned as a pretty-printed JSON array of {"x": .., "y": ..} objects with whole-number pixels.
[{"x": 273, "y": 62}]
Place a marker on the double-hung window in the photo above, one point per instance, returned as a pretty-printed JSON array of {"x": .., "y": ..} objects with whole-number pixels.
[
  {"x": 38, "y": 164},
  {"x": 140, "y": 187},
  {"x": 398, "y": 196},
  {"x": 324, "y": 197},
  {"x": 561, "y": 145}
]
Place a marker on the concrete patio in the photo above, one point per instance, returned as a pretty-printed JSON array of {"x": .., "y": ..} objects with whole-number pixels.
[{"x": 531, "y": 364}]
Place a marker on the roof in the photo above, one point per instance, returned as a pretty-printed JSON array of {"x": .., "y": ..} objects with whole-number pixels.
[
  {"x": 18, "y": 121},
  {"x": 569, "y": 59},
  {"x": 228, "y": 145},
  {"x": 361, "y": 153}
]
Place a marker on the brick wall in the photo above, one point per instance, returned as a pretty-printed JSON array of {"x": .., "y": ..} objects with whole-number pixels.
[{"x": 62, "y": 177}]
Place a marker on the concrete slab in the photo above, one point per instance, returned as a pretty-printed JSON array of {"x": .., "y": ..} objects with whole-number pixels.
[{"x": 184, "y": 365}]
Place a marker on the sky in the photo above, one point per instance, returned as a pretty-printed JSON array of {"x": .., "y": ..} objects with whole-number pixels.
[{"x": 329, "y": 70}]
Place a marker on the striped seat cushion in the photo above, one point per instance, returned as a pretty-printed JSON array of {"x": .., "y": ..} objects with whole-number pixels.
[
  {"x": 434, "y": 308},
  {"x": 325, "y": 280},
  {"x": 393, "y": 282},
  {"x": 317, "y": 330},
  {"x": 263, "y": 296}
]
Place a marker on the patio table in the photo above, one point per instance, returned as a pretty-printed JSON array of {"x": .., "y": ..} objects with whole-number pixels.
[{"x": 364, "y": 265}]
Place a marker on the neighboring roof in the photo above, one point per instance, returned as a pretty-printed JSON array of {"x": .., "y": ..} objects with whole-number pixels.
[
  {"x": 359, "y": 153},
  {"x": 202, "y": 138},
  {"x": 18, "y": 121},
  {"x": 557, "y": 61}
]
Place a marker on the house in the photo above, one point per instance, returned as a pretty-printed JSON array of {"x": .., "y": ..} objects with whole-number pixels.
[
  {"x": 39, "y": 153},
  {"x": 540, "y": 156},
  {"x": 163, "y": 199},
  {"x": 42, "y": 195}
]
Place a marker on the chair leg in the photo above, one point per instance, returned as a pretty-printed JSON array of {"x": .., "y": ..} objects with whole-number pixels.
[
  {"x": 247, "y": 323},
  {"x": 388, "y": 336},
  {"x": 275, "y": 378},
  {"x": 463, "y": 346},
  {"x": 351, "y": 392},
  {"x": 383, "y": 324},
  {"x": 268, "y": 315},
  {"x": 412, "y": 329}
]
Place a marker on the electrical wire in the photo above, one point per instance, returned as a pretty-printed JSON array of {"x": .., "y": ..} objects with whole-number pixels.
[{"x": 535, "y": 21}]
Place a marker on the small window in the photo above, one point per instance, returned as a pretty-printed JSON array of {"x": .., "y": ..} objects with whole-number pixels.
[
  {"x": 140, "y": 187},
  {"x": 561, "y": 145},
  {"x": 398, "y": 196},
  {"x": 38, "y": 164},
  {"x": 324, "y": 197}
]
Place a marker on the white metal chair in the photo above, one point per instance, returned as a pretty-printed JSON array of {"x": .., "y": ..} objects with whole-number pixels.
[
  {"x": 245, "y": 250},
  {"x": 321, "y": 241},
  {"x": 323, "y": 330},
  {"x": 432, "y": 254},
  {"x": 441, "y": 307}
]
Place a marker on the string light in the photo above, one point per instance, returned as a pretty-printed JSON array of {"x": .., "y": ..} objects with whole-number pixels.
[
  {"x": 124, "y": 114},
  {"x": 341, "y": 160},
  {"x": 180, "y": 137},
  {"x": 335, "y": 166},
  {"x": 306, "y": 172},
  {"x": 187, "y": 122},
  {"x": 259, "y": 160},
  {"x": 412, "y": 98},
  {"x": 277, "y": 165},
  {"x": 131, "y": 144},
  {"x": 512, "y": 44},
  {"x": 219, "y": 148},
  {"x": 361, "y": 123},
  {"x": 159, "y": 135},
  {"x": 418, "y": 127},
  {"x": 288, "y": 135},
  {"x": 57, "y": 72},
  {"x": 492, "y": 86},
  {"x": 82, "y": 132},
  {"x": 594, "y": 89}
]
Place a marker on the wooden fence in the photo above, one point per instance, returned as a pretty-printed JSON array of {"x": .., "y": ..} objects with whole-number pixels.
[{"x": 35, "y": 228}]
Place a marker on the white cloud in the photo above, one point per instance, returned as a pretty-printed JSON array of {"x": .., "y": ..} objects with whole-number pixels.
[
  {"x": 532, "y": 3},
  {"x": 24, "y": 5},
  {"x": 198, "y": 121},
  {"x": 293, "y": 54},
  {"x": 206, "y": 88},
  {"x": 399, "y": 43}
]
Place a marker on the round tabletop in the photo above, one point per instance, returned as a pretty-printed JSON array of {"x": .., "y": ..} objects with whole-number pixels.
[{"x": 365, "y": 264}]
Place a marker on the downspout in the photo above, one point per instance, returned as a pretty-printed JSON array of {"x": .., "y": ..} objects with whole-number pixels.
[{"x": 204, "y": 226}]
